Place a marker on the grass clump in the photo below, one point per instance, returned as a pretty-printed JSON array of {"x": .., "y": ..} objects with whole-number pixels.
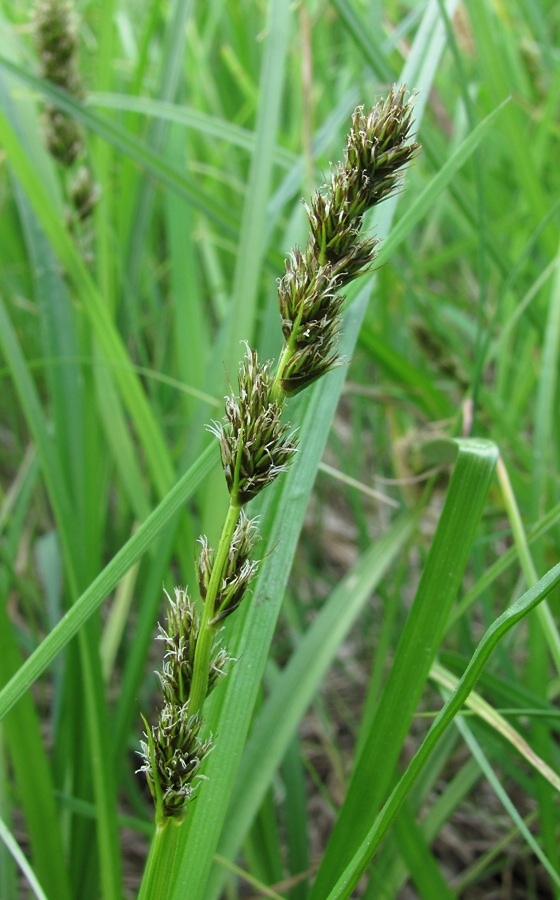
[{"x": 368, "y": 724}]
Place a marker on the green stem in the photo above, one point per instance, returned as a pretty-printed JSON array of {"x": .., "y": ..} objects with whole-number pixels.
[
  {"x": 158, "y": 798},
  {"x": 276, "y": 391},
  {"x": 162, "y": 860},
  {"x": 203, "y": 652},
  {"x": 529, "y": 571}
]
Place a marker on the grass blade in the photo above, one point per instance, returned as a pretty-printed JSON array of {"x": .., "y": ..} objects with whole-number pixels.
[
  {"x": 297, "y": 684},
  {"x": 98, "y": 590},
  {"x": 517, "y": 611},
  {"x": 417, "y": 647}
]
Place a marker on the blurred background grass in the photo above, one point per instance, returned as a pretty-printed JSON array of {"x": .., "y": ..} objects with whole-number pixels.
[{"x": 204, "y": 126}]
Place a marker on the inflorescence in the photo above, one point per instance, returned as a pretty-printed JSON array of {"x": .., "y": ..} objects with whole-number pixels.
[
  {"x": 257, "y": 444},
  {"x": 56, "y": 36}
]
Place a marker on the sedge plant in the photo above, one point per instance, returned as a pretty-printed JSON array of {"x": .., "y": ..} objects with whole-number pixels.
[
  {"x": 56, "y": 36},
  {"x": 84, "y": 313},
  {"x": 257, "y": 444}
]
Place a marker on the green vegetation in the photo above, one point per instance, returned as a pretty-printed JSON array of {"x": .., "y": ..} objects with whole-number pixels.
[{"x": 394, "y": 695}]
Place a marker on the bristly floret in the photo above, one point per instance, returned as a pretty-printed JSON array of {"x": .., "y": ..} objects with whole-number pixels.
[
  {"x": 306, "y": 293},
  {"x": 180, "y": 637},
  {"x": 309, "y": 295},
  {"x": 310, "y": 309},
  {"x": 239, "y": 570},
  {"x": 377, "y": 150},
  {"x": 255, "y": 444},
  {"x": 172, "y": 755}
]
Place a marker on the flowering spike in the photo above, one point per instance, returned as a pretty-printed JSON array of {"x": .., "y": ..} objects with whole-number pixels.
[
  {"x": 172, "y": 755},
  {"x": 309, "y": 295},
  {"x": 255, "y": 445},
  {"x": 57, "y": 43}
]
